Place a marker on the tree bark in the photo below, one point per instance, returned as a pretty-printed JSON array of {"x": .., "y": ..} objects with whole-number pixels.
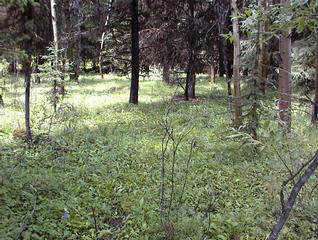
[
  {"x": 1, "y": 101},
  {"x": 236, "y": 70},
  {"x": 212, "y": 74},
  {"x": 222, "y": 17},
  {"x": 55, "y": 31},
  {"x": 26, "y": 65},
  {"x": 36, "y": 69},
  {"x": 315, "y": 103},
  {"x": 166, "y": 72},
  {"x": 221, "y": 67},
  {"x": 56, "y": 48},
  {"x": 263, "y": 60},
  {"x": 78, "y": 40},
  {"x": 134, "y": 87},
  {"x": 285, "y": 77},
  {"x": 100, "y": 58},
  {"x": 191, "y": 39},
  {"x": 27, "y": 79}
]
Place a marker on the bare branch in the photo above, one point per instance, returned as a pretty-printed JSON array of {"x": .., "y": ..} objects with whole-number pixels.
[
  {"x": 28, "y": 218},
  {"x": 293, "y": 194}
]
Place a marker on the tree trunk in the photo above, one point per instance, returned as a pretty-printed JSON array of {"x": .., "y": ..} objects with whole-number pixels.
[
  {"x": 166, "y": 72},
  {"x": 56, "y": 48},
  {"x": 190, "y": 85},
  {"x": 263, "y": 59},
  {"x": 212, "y": 74},
  {"x": 1, "y": 101},
  {"x": 100, "y": 58},
  {"x": 27, "y": 79},
  {"x": 191, "y": 39},
  {"x": 285, "y": 77},
  {"x": 258, "y": 86},
  {"x": 134, "y": 87},
  {"x": 78, "y": 40},
  {"x": 36, "y": 70},
  {"x": 55, "y": 31},
  {"x": 236, "y": 70},
  {"x": 222, "y": 16},
  {"x": 26, "y": 65},
  {"x": 70, "y": 42},
  {"x": 221, "y": 67},
  {"x": 315, "y": 103}
]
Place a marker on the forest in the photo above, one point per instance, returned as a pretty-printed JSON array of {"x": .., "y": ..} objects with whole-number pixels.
[{"x": 171, "y": 119}]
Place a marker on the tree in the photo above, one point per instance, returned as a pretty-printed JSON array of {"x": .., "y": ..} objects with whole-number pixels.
[
  {"x": 77, "y": 15},
  {"x": 134, "y": 87},
  {"x": 285, "y": 74},
  {"x": 263, "y": 58},
  {"x": 24, "y": 36},
  {"x": 191, "y": 44},
  {"x": 106, "y": 25},
  {"x": 236, "y": 70},
  {"x": 56, "y": 49},
  {"x": 315, "y": 103}
]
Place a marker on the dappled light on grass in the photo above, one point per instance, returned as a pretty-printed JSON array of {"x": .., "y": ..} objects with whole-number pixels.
[{"x": 101, "y": 162}]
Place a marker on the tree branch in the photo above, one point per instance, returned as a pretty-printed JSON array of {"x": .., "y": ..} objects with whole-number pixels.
[
  {"x": 28, "y": 218},
  {"x": 292, "y": 197}
]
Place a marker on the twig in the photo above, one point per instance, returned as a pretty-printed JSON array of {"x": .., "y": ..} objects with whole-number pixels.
[
  {"x": 28, "y": 218},
  {"x": 175, "y": 146},
  {"x": 192, "y": 145},
  {"x": 164, "y": 147},
  {"x": 293, "y": 194},
  {"x": 292, "y": 177},
  {"x": 209, "y": 217},
  {"x": 311, "y": 192},
  {"x": 95, "y": 220}
]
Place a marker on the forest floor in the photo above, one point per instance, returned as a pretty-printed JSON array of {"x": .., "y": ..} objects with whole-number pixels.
[{"x": 104, "y": 169}]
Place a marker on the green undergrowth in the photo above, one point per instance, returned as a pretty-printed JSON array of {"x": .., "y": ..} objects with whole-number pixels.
[{"x": 96, "y": 169}]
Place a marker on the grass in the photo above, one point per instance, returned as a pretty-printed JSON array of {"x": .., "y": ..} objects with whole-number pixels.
[{"x": 97, "y": 173}]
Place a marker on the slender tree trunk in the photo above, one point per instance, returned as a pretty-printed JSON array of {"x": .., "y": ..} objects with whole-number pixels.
[
  {"x": 191, "y": 85},
  {"x": 26, "y": 64},
  {"x": 315, "y": 103},
  {"x": 36, "y": 70},
  {"x": 56, "y": 48},
  {"x": 55, "y": 31},
  {"x": 27, "y": 79},
  {"x": 191, "y": 39},
  {"x": 257, "y": 85},
  {"x": 222, "y": 16},
  {"x": 285, "y": 77},
  {"x": 212, "y": 74},
  {"x": 134, "y": 87},
  {"x": 70, "y": 42},
  {"x": 263, "y": 59},
  {"x": 166, "y": 72},
  {"x": 1, "y": 101},
  {"x": 78, "y": 40},
  {"x": 221, "y": 67},
  {"x": 236, "y": 70},
  {"x": 100, "y": 58}
]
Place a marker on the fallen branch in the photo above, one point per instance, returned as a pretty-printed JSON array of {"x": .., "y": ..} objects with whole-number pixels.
[
  {"x": 28, "y": 218},
  {"x": 292, "y": 197}
]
